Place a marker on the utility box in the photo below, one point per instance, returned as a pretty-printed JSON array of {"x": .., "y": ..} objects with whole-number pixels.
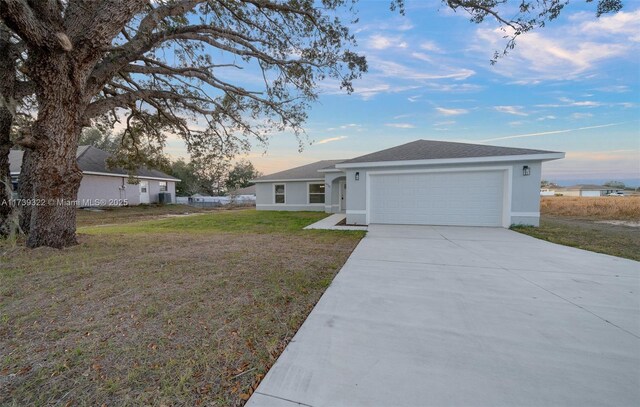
[{"x": 164, "y": 198}]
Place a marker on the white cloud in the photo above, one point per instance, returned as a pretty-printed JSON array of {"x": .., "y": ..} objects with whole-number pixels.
[
  {"x": 619, "y": 24},
  {"x": 400, "y": 71},
  {"x": 453, "y": 87},
  {"x": 514, "y": 110},
  {"x": 580, "y": 103},
  {"x": 567, "y": 52},
  {"x": 566, "y": 102},
  {"x": 350, "y": 126},
  {"x": 445, "y": 123},
  {"x": 381, "y": 42},
  {"x": 548, "y": 117},
  {"x": 429, "y": 46},
  {"x": 614, "y": 89},
  {"x": 405, "y": 26},
  {"x": 451, "y": 112},
  {"x": 581, "y": 115},
  {"x": 422, "y": 56},
  {"x": 401, "y": 125},
  {"x": 546, "y": 133},
  {"x": 330, "y": 140},
  {"x": 375, "y": 87}
]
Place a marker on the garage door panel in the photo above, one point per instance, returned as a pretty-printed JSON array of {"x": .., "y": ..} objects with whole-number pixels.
[{"x": 455, "y": 198}]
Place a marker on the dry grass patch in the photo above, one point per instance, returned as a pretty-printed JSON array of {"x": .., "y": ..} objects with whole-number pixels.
[
  {"x": 600, "y": 208},
  {"x": 158, "y": 315},
  {"x": 108, "y": 216}
]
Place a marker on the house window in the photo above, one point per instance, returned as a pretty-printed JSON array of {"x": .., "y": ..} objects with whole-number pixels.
[
  {"x": 316, "y": 193},
  {"x": 279, "y": 193},
  {"x": 163, "y": 186}
]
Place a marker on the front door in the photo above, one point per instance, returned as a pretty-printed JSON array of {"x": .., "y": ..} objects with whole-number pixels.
[
  {"x": 144, "y": 192},
  {"x": 343, "y": 195}
]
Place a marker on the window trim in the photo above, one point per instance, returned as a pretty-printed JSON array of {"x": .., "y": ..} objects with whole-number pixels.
[
  {"x": 166, "y": 186},
  {"x": 315, "y": 193},
  {"x": 284, "y": 194}
]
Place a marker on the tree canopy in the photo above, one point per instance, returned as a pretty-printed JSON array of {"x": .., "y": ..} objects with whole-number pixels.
[
  {"x": 178, "y": 68},
  {"x": 241, "y": 175}
]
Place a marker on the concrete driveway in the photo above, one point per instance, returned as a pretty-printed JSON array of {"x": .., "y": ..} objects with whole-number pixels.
[{"x": 454, "y": 316}]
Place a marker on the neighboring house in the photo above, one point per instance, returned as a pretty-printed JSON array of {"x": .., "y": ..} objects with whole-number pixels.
[
  {"x": 423, "y": 182},
  {"x": 103, "y": 186},
  {"x": 589, "y": 190},
  {"x": 547, "y": 192}
]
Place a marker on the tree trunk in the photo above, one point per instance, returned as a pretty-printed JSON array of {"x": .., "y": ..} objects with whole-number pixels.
[
  {"x": 52, "y": 169},
  {"x": 7, "y": 111},
  {"x": 25, "y": 190},
  {"x": 6, "y": 209}
]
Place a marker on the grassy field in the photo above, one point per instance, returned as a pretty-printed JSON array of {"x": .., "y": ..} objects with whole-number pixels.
[
  {"x": 188, "y": 310},
  {"x": 601, "y": 208},
  {"x": 605, "y": 225}
]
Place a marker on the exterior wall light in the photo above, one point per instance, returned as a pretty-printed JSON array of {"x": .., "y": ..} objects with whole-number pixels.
[
  {"x": 357, "y": 176},
  {"x": 526, "y": 171}
]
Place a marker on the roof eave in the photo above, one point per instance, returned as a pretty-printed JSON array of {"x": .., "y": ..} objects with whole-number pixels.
[
  {"x": 329, "y": 170},
  {"x": 286, "y": 180},
  {"x": 467, "y": 160}
]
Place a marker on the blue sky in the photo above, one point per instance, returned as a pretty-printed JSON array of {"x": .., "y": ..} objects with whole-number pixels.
[{"x": 573, "y": 86}]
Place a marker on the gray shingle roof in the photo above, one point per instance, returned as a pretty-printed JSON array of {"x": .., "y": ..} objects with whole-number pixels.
[
  {"x": 309, "y": 171},
  {"x": 590, "y": 186},
  {"x": 433, "y": 150},
  {"x": 250, "y": 190},
  {"x": 91, "y": 159}
]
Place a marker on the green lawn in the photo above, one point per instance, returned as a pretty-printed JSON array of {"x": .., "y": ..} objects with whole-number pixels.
[
  {"x": 188, "y": 310},
  {"x": 239, "y": 221}
]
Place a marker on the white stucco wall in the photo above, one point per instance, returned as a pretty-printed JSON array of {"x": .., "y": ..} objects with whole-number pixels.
[
  {"x": 332, "y": 197},
  {"x": 296, "y": 197},
  {"x": 96, "y": 189}
]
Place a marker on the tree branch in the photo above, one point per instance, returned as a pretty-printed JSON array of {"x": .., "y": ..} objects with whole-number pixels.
[{"x": 21, "y": 18}]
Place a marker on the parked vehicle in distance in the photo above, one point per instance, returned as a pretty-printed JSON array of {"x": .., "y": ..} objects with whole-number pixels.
[{"x": 616, "y": 194}]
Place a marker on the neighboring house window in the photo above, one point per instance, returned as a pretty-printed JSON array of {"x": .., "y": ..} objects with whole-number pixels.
[
  {"x": 279, "y": 193},
  {"x": 163, "y": 186},
  {"x": 316, "y": 193}
]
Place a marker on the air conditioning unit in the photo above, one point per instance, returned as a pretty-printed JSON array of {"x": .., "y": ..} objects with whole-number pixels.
[{"x": 164, "y": 197}]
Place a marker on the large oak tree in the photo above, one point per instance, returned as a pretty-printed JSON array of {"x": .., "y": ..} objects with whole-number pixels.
[{"x": 163, "y": 67}]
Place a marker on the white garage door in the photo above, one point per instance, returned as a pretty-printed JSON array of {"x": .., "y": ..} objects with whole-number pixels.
[{"x": 437, "y": 198}]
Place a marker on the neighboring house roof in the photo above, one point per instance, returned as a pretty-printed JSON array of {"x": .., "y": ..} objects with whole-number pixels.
[
  {"x": 92, "y": 160},
  {"x": 305, "y": 172},
  {"x": 250, "y": 190},
  {"x": 592, "y": 187},
  {"x": 434, "y": 150}
]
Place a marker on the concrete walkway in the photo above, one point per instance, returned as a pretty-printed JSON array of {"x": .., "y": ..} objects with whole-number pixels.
[
  {"x": 330, "y": 222},
  {"x": 454, "y": 316}
]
